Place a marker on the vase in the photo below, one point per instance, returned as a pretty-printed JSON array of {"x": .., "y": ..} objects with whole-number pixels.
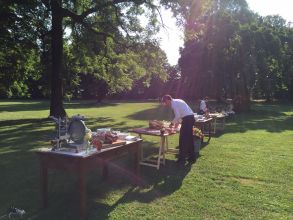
[{"x": 87, "y": 147}]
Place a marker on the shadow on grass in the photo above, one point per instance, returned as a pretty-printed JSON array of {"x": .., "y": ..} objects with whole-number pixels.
[
  {"x": 64, "y": 204},
  {"x": 88, "y": 104},
  {"x": 15, "y": 106},
  {"x": 158, "y": 184},
  {"x": 155, "y": 184},
  {"x": 24, "y": 134},
  {"x": 203, "y": 145},
  {"x": 260, "y": 119},
  {"x": 158, "y": 113}
]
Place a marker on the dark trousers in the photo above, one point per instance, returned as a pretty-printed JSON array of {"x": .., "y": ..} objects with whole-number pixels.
[{"x": 186, "y": 144}]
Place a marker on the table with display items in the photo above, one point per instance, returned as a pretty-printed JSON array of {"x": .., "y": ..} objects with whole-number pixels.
[
  {"x": 163, "y": 148},
  {"x": 83, "y": 162},
  {"x": 219, "y": 120},
  {"x": 205, "y": 125}
]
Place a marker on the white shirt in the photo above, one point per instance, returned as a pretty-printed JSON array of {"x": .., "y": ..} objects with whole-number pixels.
[
  {"x": 180, "y": 109},
  {"x": 202, "y": 105}
]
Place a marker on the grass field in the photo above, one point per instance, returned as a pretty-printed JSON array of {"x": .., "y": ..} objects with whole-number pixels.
[{"x": 246, "y": 172}]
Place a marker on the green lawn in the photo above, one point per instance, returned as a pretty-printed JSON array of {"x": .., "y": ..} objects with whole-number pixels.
[{"x": 244, "y": 173}]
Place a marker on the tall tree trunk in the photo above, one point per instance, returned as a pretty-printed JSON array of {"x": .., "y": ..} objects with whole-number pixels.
[
  {"x": 241, "y": 101},
  {"x": 291, "y": 90},
  {"x": 56, "y": 105}
]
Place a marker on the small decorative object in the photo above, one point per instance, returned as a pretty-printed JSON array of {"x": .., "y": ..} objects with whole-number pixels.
[
  {"x": 198, "y": 133},
  {"x": 97, "y": 143},
  {"x": 105, "y": 137},
  {"x": 198, "y": 136},
  {"x": 110, "y": 137},
  {"x": 87, "y": 138}
]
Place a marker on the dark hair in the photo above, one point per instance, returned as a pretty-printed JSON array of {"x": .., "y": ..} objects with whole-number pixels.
[{"x": 166, "y": 97}]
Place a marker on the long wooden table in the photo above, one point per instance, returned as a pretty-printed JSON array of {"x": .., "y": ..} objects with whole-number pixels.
[
  {"x": 81, "y": 164},
  {"x": 205, "y": 124},
  {"x": 163, "y": 148},
  {"x": 218, "y": 122}
]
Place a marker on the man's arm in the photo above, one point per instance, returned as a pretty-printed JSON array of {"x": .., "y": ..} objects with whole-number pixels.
[
  {"x": 177, "y": 117},
  {"x": 174, "y": 125}
]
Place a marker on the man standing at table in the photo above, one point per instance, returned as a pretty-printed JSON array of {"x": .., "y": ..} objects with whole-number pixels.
[
  {"x": 184, "y": 113},
  {"x": 203, "y": 106}
]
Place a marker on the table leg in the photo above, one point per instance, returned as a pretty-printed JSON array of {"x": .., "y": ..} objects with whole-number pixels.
[
  {"x": 44, "y": 185},
  {"x": 224, "y": 123},
  {"x": 105, "y": 170},
  {"x": 141, "y": 150},
  {"x": 161, "y": 149},
  {"x": 164, "y": 148},
  {"x": 210, "y": 128},
  {"x": 82, "y": 192},
  {"x": 166, "y": 144},
  {"x": 137, "y": 159},
  {"x": 215, "y": 125}
]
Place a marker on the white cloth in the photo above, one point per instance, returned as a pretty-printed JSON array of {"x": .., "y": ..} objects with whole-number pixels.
[
  {"x": 202, "y": 106},
  {"x": 180, "y": 109}
]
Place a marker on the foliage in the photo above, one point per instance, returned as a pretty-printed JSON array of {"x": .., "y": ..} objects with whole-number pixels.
[
  {"x": 92, "y": 88},
  {"x": 103, "y": 39},
  {"x": 231, "y": 52},
  {"x": 20, "y": 61},
  {"x": 109, "y": 48}
]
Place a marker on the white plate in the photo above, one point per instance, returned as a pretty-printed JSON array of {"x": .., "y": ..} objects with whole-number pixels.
[{"x": 130, "y": 138}]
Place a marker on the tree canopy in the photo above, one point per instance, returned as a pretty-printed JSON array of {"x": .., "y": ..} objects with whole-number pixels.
[
  {"x": 92, "y": 49},
  {"x": 70, "y": 42},
  {"x": 230, "y": 51}
]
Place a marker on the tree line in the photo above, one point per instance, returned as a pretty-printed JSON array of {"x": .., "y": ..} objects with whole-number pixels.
[
  {"x": 108, "y": 48},
  {"x": 231, "y": 52}
]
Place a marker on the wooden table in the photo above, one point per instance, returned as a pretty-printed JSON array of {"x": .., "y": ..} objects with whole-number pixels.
[
  {"x": 164, "y": 146},
  {"x": 218, "y": 122},
  {"x": 81, "y": 163},
  {"x": 204, "y": 123}
]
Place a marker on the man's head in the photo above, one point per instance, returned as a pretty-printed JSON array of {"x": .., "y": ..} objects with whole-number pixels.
[{"x": 166, "y": 100}]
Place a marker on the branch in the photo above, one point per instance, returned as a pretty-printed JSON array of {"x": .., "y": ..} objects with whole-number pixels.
[
  {"x": 104, "y": 34},
  {"x": 121, "y": 23},
  {"x": 80, "y": 18},
  {"x": 68, "y": 13},
  {"x": 89, "y": 27},
  {"x": 46, "y": 3}
]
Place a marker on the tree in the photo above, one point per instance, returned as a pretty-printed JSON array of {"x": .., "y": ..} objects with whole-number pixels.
[
  {"x": 119, "y": 15},
  {"x": 231, "y": 51},
  {"x": 212, "y": 53},
  {"x": 153, "y": 69},
  {"x": 18, "y": 49}
]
